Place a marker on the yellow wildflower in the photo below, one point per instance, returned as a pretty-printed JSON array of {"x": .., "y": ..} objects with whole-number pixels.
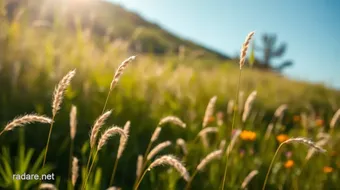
[
  {"x": 282, "y": 137},
  {"x": 289, "y": 164},
  {"x": 327, "y": 169},
  {"x": 248, "y": 135}
]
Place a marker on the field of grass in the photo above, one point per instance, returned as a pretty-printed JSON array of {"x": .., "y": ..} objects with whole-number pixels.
[{"x": 36, "y": 55}]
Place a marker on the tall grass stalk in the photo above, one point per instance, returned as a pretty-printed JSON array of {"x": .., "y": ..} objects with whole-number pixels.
[
  {"x": 73, "y": 129},
  {"x": 56, "y": 102},
  {"x": 113, "y": 84},
  {"x": 89, "y": 171},
  {"x": 116, "y": 78},
  {"x": 122, "y": 145},
  {"x": 139, "y": 180},
  {"x": 166, "y": 160},
  {"x": 232, "y": 128},
  {"x": 249, "y": 177},
  {"x": 48, "y": 141},
  {"x": 95, "y": 130},
  {"x": 335, "y": 118},
  {"x": 88, "y": 160},
  {"x": 291, "y": 140},
  {"x": 91, "y": 149},
  {"x": 210, "y": 157},
  {"x": 242, "y": 61},
  {"x": 169, "y": 119},
  {"x": 153, "y": 138},
  {"x": 26, "y": 119},
  {"x": 102, "y": 141},
  {"x": 144, "y": 162},
  {"x": 271, "y": 165},
  {"x": 75, "y": 171}
]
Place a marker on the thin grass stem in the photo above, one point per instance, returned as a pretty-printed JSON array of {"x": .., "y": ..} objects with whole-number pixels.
[
  {"x": 144, "y": 160},
  {"x": 91, "y": 151},
  {"x": 232, "y": 128},
  {"x": 89, "y": 172},
  {"x": 70, "y": 160},
  {"x": 187, "y": 187},
  {"x": 48, "y": 141},
  {"x": 114, "y": 172},
  {"x": 140, "y": 180},
  {"x": 271, "y": 165}
]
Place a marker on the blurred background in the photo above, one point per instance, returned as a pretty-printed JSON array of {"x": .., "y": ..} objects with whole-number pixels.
[
  {"x": 187, "y": 52},
  {"x": 302, "y": 33}
]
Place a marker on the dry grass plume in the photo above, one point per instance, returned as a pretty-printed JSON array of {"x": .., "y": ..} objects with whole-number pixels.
[
  {"x": 75, "y": 170},
  {"x": 60, "y": 90},
  {"x": 248, "y": 105},
  {"x": 73, "y": 122},
  {"x": 96, "y": 127},
  {"x": 210, "y": 157},
  {"x": 249, "y": 177},
  {"x": 157, "y": 149},
  {"x": 155, "y": 134},
  {"x": 209, "y": 111},
  {"x": 47, "y": 186},
  {"x": 173, "y": 120},
  {"x": 120, "y": 71},
  {"x": 245, "y": 48},
  {"x": 108, "y": 134},
  {"x": 24, "y": 120},
  {"x": 122, "y": 143},
  {"x": 181, "y": 143},
  {"x": 172, "y": 161}
]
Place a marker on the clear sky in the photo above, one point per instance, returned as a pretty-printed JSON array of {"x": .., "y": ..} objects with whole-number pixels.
[{"x": 311, "y": 28}]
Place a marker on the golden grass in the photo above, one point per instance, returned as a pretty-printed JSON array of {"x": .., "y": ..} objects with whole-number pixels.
[
  {"x": 157, "y": 149},
  {"x": 242, "y": 61},
  {"x": 75, "y": 171},
  {"x": 209, "y": 111},
  {"x": 167, "y": 160},
  {"x": 249, "y": 177},
  {"x": 204, "y": 162},
  {"x": 97, "y": 126},
  {"x": 24, "y": 120}
]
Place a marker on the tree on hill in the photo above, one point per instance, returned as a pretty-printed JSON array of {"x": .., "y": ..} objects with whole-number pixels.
[{"x": 271, "y": 50}]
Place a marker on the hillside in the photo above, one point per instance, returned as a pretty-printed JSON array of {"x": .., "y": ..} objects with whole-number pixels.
[
  {"x": 113, "y": 21},
  {"x": 40, "y": 45}
]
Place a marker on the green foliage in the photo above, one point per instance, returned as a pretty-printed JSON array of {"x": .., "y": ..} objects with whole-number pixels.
[
  {"x": 24, "y": 163},
  {"x": 33, "y": 58}
]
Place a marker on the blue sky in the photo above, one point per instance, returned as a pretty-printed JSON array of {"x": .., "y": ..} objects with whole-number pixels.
[{"x": 311, "y": 28}]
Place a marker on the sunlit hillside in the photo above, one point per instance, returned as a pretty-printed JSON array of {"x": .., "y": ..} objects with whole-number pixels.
[{"x": 38, "y": 48}]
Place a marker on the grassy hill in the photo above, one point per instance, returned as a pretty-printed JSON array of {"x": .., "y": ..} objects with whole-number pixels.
[
  {"x": 114, "y": 22},
  {"x": 36, "y": 52}
]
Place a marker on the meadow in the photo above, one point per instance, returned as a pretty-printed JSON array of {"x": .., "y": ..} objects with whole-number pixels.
[{"x": 224, "y": 123}]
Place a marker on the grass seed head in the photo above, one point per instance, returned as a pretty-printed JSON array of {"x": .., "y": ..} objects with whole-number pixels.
[
  {"x": 172, "y": 161},
  {"x": 98, "y": 124},
  {"x": 26, "y": 119},
  {"x": 108, "y": 134},
  {"x": 59, "y": 91},
  {"x": 210, "y": 157},
  {"x": 209, "y": 111},
  {"x": 245, "y": 48}
]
